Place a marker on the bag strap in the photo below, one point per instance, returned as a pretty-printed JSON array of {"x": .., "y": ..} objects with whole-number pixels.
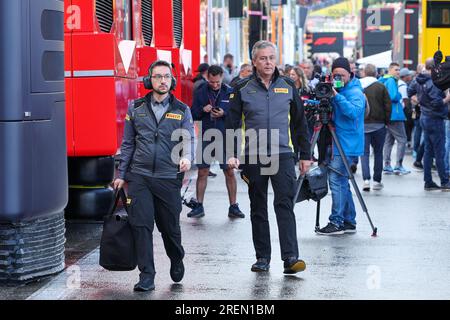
[{"x": 119, "y": 195}]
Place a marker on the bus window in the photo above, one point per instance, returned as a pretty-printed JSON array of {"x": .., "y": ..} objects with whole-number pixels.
[{"x": 438, "y": 14}]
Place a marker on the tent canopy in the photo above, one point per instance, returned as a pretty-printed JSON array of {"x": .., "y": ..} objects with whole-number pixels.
[{"x": 380, "y": 60}]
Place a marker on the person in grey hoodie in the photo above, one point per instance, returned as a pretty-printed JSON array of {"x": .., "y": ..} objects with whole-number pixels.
[{"x": 374, "y": 125}]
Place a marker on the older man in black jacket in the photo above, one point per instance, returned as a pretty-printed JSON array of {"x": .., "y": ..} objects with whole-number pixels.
[{"x": 268, "y": 105}]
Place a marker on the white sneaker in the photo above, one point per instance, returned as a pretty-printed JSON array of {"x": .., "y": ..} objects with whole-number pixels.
[
  {"x": 366, "y": 185},
  {"x": 378, "y": 186}
]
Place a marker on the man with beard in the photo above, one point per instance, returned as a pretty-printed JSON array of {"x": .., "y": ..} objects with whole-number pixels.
[{"x": 153, "y": 166}]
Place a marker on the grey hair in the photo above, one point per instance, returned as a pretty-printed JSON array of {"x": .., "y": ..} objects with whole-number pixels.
[
  {"x": 429, "y": 64},
  {"x": 370, "y": 70},
  {"x": 262, "y": 44},
  {"x": 245, "y": 65}
]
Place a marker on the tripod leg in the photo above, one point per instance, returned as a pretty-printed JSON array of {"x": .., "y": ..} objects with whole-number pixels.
[
  {"x": 315, "y": 137},
  {"x": 297, "y": 191},
  {"x": 352, "y": 178},
  {"x": 317, "y": 228}
]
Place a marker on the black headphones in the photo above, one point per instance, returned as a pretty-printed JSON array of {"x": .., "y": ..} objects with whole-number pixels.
[{"x": 148, "y": 79}]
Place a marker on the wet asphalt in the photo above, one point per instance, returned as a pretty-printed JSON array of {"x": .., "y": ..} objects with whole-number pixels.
[{"x": 409, "y": 259}]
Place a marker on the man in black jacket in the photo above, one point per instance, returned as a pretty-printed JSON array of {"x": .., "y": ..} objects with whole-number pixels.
[
  {"x": 200, "y": 78},
  {"x": 210, "y": 106},
  {"x": 245, "y": 71},
  {"x": 151, "y": 163},
  {"x": 374, "y": 126},
  {"x": 418, "y": 146},
  {"x": 434, "y": 107},
  {"x": 268, "y": 106}
]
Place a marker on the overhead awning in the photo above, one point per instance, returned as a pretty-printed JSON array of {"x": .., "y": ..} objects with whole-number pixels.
[{"x": 380, "y": 60}]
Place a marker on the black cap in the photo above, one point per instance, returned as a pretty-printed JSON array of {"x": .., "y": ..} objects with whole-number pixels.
[
  {"x": 203, "y": 67},
  {"x": 343, "y": 63}
]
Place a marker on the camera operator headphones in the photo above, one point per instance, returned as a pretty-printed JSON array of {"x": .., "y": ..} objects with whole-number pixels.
[{"x": 148, "y": 79}]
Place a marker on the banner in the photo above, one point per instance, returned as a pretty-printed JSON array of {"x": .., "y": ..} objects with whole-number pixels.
[{"x": 325, "y": 42}]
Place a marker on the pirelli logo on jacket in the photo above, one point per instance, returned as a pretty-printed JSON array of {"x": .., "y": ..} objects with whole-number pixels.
[
  {"x": 174, "y": 116},
  {"x": 281, "y": 90}
]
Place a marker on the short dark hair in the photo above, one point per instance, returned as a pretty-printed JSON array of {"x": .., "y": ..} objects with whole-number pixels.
[
  {"x": 317, "y": 69},
  {"x": 203, "y": 67},
  {"x": 228, "y": 56},
  {"x": 394, "y": 64},
  {"x": 215, "y": 70},
  {"x": 159, "y": 63}
]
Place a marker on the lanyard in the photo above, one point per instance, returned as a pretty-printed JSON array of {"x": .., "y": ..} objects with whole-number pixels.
[{"x": 213, "y": 102}]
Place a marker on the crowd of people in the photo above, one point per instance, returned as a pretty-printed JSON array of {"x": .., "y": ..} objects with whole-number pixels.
[
  {"x": 396, "y": 105},
  {"x": 269, "y": 101},
  {"x": 406, "y": 108}
]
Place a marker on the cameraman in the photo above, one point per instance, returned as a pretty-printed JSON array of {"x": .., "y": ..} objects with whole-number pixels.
[{"x": 348, "y": 114}]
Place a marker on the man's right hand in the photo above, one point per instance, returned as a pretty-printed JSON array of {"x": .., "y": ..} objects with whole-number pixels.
[
  {"x": 118, "y": 184},
  {"x": 233, "y": 163},
  {"x": 207, "y": 108},
  {"x": 447, "y": 98}
]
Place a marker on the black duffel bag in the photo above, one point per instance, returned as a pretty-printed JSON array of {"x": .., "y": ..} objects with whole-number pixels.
[
  {"x": 117, "y": 251},
  {"x": 315, "y": 185}
]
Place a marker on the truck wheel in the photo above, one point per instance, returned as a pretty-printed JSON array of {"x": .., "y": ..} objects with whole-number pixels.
[
  {"x": 91, "y": 171},
  {"x": 89, "y": 203}
]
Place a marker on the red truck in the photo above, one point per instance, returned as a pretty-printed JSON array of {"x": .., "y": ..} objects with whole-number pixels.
[{"x": 109, "y": 45}]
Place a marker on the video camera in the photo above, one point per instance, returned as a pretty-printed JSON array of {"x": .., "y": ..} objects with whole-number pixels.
[
  {"x": 440, "y": 74},
  {"x": 320, "y": 101}
]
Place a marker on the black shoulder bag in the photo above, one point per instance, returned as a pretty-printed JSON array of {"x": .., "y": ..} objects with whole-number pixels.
[{"x": 117, "y": 251}]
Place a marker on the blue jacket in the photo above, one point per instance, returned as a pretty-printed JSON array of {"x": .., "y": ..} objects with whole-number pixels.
[
  {"x": 430, "y": 97},
  {"x": 348, "y": 115},
  {"x": 397, "y": 113},
  {"x": 203, "y": 96}
]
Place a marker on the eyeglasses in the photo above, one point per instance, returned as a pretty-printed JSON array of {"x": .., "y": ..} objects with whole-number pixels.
[{"x": 159, "y": 77}]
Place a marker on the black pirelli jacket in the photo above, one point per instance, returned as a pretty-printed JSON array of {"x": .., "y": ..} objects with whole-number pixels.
[
  {"x": 148, "y": 146},
  {"x": 253, "y": 106}
]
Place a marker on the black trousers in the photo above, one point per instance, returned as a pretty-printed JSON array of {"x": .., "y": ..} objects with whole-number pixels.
[
  {"x": 283, "y": 184},
  {"x": 154, "y": 200}
]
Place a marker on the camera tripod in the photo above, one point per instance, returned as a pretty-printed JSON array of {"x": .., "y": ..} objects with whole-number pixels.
[
  {"x": 324, "y": 119},
  {"x": 192, "y": 203}
]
